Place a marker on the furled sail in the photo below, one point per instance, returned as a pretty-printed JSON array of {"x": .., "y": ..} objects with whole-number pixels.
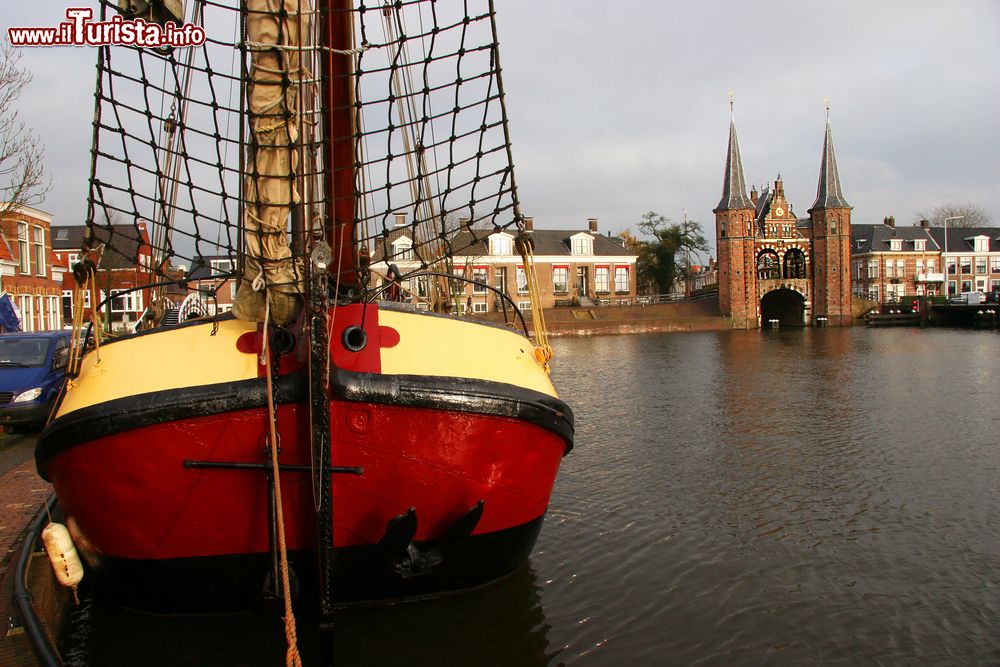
[{"x": 275, "y": 29}]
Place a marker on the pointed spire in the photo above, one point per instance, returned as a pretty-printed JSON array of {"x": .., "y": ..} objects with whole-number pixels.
[
  {"x": 828, "y": 193},
  {"x": 734, "y": 187}
]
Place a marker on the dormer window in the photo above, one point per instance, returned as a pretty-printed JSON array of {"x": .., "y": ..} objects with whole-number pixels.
[
  {"x": 402, "y": 249},
  {"x": 222, "y": 267},
  {"x": 981, "y": 243},
  {"x": 920, "y": 244},
  {"x": 582, "y": 244},
  {"x": 896, "y": 244},
  {"x": 501, "y": 244},
  {"x": 861, "y": 244}
]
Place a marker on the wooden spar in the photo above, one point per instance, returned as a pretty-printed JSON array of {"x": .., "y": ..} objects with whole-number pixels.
[{"x": 339, "y": 126}]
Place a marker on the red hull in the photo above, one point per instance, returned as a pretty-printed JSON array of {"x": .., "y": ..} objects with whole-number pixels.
[{"x": 133, "y": 498}]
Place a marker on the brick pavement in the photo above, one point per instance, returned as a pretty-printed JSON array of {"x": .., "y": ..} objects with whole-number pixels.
[{"x": 22, "y": 493}]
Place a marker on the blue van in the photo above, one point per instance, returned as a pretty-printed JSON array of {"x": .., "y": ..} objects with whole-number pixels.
[{"x": 32, "y": 372}]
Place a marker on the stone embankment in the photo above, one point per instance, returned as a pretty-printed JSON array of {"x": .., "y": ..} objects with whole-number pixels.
[{"x": 691, "y": 316}]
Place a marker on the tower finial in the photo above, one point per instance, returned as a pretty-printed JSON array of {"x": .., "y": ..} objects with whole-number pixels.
[
  {"x": 731, "y": 110},
  {"x": 826, "y": 103}
]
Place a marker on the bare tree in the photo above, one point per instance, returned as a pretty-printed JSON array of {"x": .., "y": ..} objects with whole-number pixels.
[
  {"x": 973, "y": 216},
  {"x": 22, "y": 173}
]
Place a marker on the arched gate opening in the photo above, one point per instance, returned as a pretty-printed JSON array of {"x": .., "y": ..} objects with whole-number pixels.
[{"x": 785, "y": 305}]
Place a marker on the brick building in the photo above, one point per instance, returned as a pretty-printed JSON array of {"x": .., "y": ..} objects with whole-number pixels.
[
  {"x": 572, "y": 266},
  {"x": 211, "y": 277},
  {"x": 970, "y": 258},
  {"x": 124, "y": 261},
  {"x": 29, "y": 271},
  {"x": 774, "y": 265},
  {"x": 890, "y": 263}
]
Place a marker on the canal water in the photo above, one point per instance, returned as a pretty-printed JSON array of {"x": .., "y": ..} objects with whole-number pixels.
[{"x": 824, "y": 496}]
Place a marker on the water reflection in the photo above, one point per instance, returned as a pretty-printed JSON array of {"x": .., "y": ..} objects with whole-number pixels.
[{"x": 501, "y": 624}]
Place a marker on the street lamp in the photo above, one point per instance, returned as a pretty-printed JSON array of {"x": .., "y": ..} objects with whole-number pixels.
[{"x": 952, "y": 217}]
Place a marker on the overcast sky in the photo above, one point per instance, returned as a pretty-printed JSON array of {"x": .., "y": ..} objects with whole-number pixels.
[{"x": 618, "y": 108}]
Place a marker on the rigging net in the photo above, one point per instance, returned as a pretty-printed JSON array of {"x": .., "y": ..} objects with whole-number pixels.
[{"x": 226, "y": 189}]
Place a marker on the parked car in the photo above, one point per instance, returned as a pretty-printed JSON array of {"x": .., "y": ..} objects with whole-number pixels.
[{"x": 32, "y": 372}]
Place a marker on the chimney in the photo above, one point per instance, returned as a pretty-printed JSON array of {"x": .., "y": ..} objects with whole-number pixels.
[
  {"x": 529, "y": 224},
  {"x": 400, "y": 219},
  {"x": 754, "y": 195},
  {"x": 463, "y": 224},
  {"x": 892, "y": 221},
  {"x": 926, "y": 224},
  {"x": 593, "y": 224},
  {"x": 889, "y": 221}
]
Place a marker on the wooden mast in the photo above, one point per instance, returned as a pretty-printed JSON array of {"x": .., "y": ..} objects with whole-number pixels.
[{"x": 339, "y": 148}]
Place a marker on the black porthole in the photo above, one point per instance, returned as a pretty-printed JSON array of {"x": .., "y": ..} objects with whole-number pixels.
[{"x": 355, "y": 338}]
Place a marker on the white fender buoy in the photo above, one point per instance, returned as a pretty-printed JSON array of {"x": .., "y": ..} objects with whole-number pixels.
[{"x": 62, "y": 554}]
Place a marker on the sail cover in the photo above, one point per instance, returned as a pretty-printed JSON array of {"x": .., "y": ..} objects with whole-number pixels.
[{"x": 274, "y": 37}]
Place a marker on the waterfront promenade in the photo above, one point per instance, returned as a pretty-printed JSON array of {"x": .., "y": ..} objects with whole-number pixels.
[{"x": 22, "y": 493}]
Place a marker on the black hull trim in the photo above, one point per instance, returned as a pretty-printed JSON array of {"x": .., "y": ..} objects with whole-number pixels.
[
  {"x": 433, "y": 392},
  {"x": 362, "y": 576}
]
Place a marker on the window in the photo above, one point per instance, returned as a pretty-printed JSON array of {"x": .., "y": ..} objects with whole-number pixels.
[
  {"x": 951, "y": 263},
  {"x": 900, "y": 268},
  {"x": 895, "y": 244},
  {"x": 994, "y": 264},
  {"x": 952, "y": 288},
  {"x": 479, "y": 278},
  {"x": 41, "y": 313},
  {"x": 500, "y": 278},
  {"x": 858, "y": 267},
  {"x": 931, "y": 265},
  {"x": 602, "y": 279},
  {"x": 582, "y": 245},
  {"x": 920, "y": 244},
  {"x": 74, "y": 258},
  {"x": 222, "y": 267},
  {"x": 125, "y": 302},
  {"x": 861, "y": 244},
  {"x": 39, "y": 250},
  {"x": 402, "y": 249},
  {"x": 980, "y": 265},
  {"x": 920, "y": 266},
  {"x": 522, "y": 281},
  {"x": 61, "y": 356},
  {"x": 982, "y": 244},
  {"x": 995, "y": 285},
  {"x": 501, "y": 245},
  {"x": 621, "y": 279},
  {"x": 560, "y": 277},
  {"x": 27, "y": 307},
  {"x": 67, "y": 305},
  {"x": 872, "y": 268},
  {"x": 479, "y": 307},
  {"x": 23, "y": 247},
  {"x": 966, "y": 265},
  {"x": 966, "y": 285},
  {"x": 524, "y": 305},
  {"x": 890, "y": 265},
  {"x": 873, "y": 292},
  {"x": 423, "y": 288}
]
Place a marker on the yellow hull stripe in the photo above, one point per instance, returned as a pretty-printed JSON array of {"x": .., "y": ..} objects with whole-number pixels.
[{"x": 191, "y": 356}]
